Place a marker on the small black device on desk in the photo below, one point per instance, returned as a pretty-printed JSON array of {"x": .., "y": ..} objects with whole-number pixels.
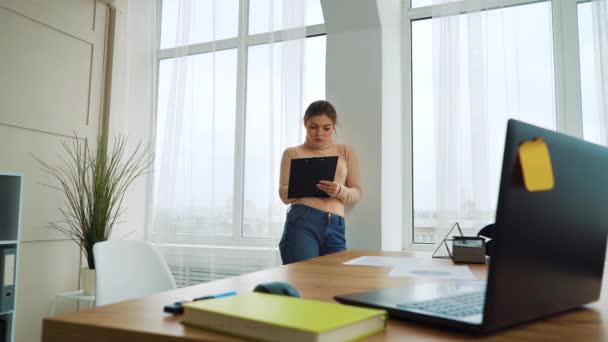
[
  {"x": 278, "y": 288},
  {"x": 465, "y": 249},
  {"x": 469, "y": 249},
  {"x": 305, "y": 174},
  {"x": 177, "y": 309}
]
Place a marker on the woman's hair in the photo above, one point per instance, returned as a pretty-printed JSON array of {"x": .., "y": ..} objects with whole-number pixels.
[{"x": 321, "y": 107}]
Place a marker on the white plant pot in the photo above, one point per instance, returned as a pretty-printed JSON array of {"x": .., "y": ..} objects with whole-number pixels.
[{"x": 88, "y": 282}]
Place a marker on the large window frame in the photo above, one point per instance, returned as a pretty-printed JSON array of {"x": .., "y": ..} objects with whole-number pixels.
[
  {"x": 568, "y": 100},
  {"x": 241, "y": 43}
]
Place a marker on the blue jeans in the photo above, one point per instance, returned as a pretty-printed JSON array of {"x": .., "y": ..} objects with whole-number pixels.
[{"x": 310, "y": 233}]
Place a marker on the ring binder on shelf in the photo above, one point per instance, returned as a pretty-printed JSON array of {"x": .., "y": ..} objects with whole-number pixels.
[
  {"x": 7, "y": 271},
  {"x": 10, "y": 212}
]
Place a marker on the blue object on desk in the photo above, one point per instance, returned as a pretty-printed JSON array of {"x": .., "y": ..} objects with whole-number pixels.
[{"x": 177, "y": 309}]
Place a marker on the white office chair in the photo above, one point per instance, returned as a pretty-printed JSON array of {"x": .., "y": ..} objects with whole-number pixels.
[{"x": 127, "y": 269}]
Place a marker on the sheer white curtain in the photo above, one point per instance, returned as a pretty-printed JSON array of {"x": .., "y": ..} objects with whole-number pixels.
[
  {"x": 275, "y": 95},
  {"x": 599, "y": 12},
  {"x": 461, "y": 116},
  {"x": 195, "y": 127},
  {"x": 131, "y": 97},
  {"x": 218, "y": 152},
  {"x": 489, "y": 65}
]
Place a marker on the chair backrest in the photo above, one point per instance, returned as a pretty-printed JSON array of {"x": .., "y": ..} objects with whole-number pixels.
[{"x": 127, "y": 269}]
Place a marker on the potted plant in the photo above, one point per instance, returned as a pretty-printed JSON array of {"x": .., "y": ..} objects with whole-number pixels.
[{"x": 94, "y": 184}]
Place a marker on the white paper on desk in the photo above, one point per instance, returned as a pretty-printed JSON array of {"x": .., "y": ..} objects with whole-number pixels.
[
  {"x": 380, "y": 261},
  {"x": 432, "y": 271}
]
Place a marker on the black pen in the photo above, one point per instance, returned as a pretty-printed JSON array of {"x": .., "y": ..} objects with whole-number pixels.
[{"x": 177, "y": 309}]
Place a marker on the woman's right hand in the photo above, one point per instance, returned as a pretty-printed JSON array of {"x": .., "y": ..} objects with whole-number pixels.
[{"x": 330, "y": 188}]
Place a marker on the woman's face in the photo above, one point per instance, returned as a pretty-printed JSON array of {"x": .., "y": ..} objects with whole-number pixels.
[{"x": 319, "y": 130}]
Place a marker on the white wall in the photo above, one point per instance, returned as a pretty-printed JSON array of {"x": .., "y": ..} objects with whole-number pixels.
[
  {"x": 395, "y": 141},
  {"x": 51, "y": 68},
  {"x": 354, "y": 87}
]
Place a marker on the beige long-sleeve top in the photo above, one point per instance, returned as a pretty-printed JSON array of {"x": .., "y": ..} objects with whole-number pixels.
[{"x": 347, "y": 175}]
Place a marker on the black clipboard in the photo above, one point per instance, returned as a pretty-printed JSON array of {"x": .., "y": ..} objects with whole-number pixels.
[{"x": 305, "y": 174}]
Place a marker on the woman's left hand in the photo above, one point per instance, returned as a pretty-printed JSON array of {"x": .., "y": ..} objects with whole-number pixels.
[{"x": 330, "y": 188}]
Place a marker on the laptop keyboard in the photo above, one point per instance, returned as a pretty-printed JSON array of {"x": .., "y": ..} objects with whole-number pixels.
[{"x": 462, "y": 305}]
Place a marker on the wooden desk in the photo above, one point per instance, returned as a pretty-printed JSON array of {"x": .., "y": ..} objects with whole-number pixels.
[{"x": 320, "y": 278}]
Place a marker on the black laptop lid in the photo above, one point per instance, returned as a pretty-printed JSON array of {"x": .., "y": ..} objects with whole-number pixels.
[{"x": 550, "y": 245}]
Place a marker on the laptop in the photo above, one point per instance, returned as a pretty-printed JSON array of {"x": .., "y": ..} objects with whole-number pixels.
[{"x": 549, "y": 246}]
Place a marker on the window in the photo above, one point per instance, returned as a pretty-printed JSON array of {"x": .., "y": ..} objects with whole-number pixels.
[
  {"x": 186, "y": 23},
  {"x": 471, "y": 71},
  {"x": 422, "y": 3},
  {"x": 197, "y": 125},
  {"x": 266, "y": 15},
  {"x": 221, "y": 115},
  {"x": 264, "y": 213},
  {"x": 593, "y": 124}
]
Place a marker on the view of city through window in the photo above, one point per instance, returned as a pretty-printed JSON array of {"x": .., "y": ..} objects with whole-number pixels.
[
  {"x": 198, "y": 128},
  {"x": 459, "y": 118}
]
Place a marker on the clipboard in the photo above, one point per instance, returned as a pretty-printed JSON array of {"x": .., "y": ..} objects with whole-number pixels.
[{"x": 305, "y": 173}]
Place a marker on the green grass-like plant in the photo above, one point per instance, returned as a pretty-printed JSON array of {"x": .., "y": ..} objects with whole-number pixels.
[{"x": 94, "y": 185}]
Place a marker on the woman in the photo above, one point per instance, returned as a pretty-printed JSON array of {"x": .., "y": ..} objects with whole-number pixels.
[{"x": 315, "y": 225}]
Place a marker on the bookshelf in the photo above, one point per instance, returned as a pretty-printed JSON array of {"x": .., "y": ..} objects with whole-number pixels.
[{"x": 10, "y": 222}]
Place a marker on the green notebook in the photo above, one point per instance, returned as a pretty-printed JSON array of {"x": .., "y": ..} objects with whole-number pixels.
[{"x": 270, "y": 317}]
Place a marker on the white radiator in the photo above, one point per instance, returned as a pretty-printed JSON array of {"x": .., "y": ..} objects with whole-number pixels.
[
  {"x": 193, "y": 264},
  {"x": 186, "y": 276}
]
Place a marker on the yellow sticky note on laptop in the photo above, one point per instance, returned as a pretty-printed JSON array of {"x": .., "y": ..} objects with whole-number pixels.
[{"x": 536, "y": 165}]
